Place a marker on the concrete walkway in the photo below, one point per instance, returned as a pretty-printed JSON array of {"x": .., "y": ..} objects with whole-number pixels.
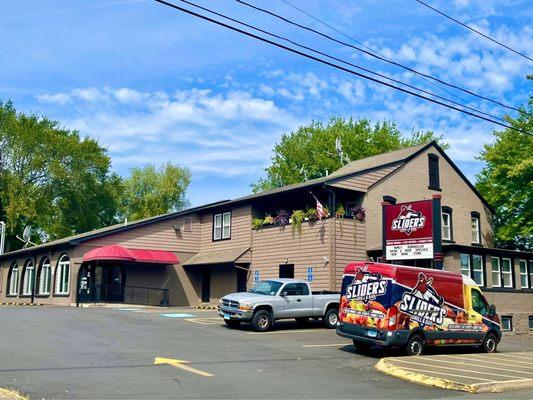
[{"x": 474, "y": 373}]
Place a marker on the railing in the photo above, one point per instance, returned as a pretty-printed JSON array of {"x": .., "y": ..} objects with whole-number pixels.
[{"x": 128, "y": 294}]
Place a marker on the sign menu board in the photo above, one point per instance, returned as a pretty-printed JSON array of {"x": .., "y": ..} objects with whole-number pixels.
[{"x": 409, "y": 230}]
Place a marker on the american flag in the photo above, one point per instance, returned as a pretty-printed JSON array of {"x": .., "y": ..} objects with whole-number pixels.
[{"x": 320, "y": 210}]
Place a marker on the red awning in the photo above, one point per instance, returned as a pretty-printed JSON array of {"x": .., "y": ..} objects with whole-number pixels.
[{"x": 121, "y": 253}]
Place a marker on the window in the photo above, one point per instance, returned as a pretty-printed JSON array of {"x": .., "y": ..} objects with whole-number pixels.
[
  {"x": 507, "y": 323},
  {"x": 13, "y": 280},
  {"x": 479, "y": 304},
  {"x": 286, "y": 271},
  {"x": 296, "y": 289},
  {"x": 474, "y": 222},
  {"x": 222, "y": 226},
  {"x": 523, "y": 274},
  {"x": 44, "y": 277},
  {"x": 477, "y": 269},
  {"x": 496, "y": 276},
  {"x": 531, "y": 274},
  {"x": 531, "y": 322},
  {"x": 434, "y": 180},
  {"x": 28, "y": 275},
  {"x": 507, "y": 273},
  {"x": 446, "y": 225},
  {"x": 465, "y": 264},
  {"x": 62, "y": 283}
]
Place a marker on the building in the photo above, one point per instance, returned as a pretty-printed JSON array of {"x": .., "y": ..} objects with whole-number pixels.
[{"x": 200, "y": 254}]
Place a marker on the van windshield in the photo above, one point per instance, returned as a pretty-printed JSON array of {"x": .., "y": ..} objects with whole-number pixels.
[{"x": 268, "y": 288}]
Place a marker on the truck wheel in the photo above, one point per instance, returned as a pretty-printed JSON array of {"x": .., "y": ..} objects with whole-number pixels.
[
  {"x": 302, "y": 320},
  {"x": 262, "y": 321},
  {"x": 232, "y": 323},
  {"x": 489, "y": 344},
  {"x": 361, "y": 347},
  {"x": 330, "y": 318},
  {"x": 415, "y": 345}
]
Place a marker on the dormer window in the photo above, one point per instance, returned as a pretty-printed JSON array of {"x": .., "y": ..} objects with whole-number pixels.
[{"x": 222, "y": 226}]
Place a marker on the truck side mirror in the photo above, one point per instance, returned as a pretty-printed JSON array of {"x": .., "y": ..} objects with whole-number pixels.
[
  {"x": 283, "y": 293},
  {"x": 492, "y": 310}
]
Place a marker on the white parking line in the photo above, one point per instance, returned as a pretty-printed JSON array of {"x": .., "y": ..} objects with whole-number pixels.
[
  {"x": 482, "y": 366},
  {"x": 325, "y": 345},
  {"x": 288, "y": 332},
  {"x": 446, "y": 374}
]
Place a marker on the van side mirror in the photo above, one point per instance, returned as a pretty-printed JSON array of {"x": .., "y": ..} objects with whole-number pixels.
[{"x": 492, "y": 310}]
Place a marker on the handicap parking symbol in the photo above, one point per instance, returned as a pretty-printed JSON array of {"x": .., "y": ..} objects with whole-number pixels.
[{"x": 310, "y": 274}]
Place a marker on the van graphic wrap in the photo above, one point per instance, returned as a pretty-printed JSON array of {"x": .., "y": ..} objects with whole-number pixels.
[
  {"x": 423, "y": 303},
  {"x": 366, "y": 286}
]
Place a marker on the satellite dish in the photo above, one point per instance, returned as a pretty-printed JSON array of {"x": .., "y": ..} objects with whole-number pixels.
[{"x": 26, "y": 237}]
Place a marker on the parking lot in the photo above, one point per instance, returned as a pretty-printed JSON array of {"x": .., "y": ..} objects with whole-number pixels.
[{"x": 119, "y": 353}]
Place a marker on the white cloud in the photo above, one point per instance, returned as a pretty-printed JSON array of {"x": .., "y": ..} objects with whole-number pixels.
[{"x": 58, "y": 98}]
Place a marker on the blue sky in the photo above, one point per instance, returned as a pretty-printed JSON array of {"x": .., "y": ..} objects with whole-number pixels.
[{"x": 155, "y": 85}]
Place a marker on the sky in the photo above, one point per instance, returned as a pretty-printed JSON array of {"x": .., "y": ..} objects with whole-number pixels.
[{"x": 155, "y": 85}]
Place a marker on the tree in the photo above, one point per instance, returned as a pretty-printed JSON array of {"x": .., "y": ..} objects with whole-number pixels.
[
  {"x": 149, "y": 191},
  {"x": 506, "y": 181},
  {"x": 309, "y": 152},
  {"x": 52, "y": 179}
]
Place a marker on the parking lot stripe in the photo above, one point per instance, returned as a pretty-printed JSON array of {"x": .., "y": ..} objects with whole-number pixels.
[
  {"x": 480, "y": 357},
  {"x": 483, "y": 366},
  {"x": 486, "y": 362},
  {"x": 287, "y": 332},
  {"x": 453, "y": 369},
  {"x": 519, "y": 357},
  {"x": 177, "y": 315},
  {"x": 325, "y": 345},
  {"x": 447, "y": 374},
  {"x": 205, "y": 321},
  {"x": 181, "y": 365}
]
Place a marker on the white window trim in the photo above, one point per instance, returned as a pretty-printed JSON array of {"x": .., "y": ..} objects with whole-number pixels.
[
  {"x": 62, "y": 265},
  {"x": 478, "y": 239},
  {"x": 479, "y": 270},
  {"x": 217, "y": 227},
  {"x": 530, "y": 263},
  {"x": 449, "y": 226},
  {"x": 510, "y": 273},
  {"x": 469, "y": 264},
  {"x": 499, "y": 272},
  {"x": 510, "y": 323},
  {"x": 228, "y": 225},
  {"x": 27, "y": 281},
  {"x": 14, "y": 283},
  {"x": 45, "y": 278},
  {"x": 523, "y": 274}
]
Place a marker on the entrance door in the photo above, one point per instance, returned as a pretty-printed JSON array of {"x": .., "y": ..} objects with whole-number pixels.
[
  {"x": 242, "y": 279},
  {"x": 85, "y": 283},
  {"x": 109, "y": 283},
  {"x": 206, "y": 285}
]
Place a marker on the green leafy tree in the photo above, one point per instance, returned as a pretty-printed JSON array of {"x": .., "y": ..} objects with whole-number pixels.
[
  {"x": 149, "y": 191},
  {"x": 506, "y": 181},
  {"x": 309, "y": 152},
  {"x": 52, "y": 179}
]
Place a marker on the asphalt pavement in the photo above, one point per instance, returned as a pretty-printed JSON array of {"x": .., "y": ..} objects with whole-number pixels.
[{"x": 137, "y": 353}]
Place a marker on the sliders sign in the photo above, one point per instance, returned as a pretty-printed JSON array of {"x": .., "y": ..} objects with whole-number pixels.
[{"x": 409, "y": 230}]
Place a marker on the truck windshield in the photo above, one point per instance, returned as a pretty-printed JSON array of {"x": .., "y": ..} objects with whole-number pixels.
[{"x": 269, "y": 288}]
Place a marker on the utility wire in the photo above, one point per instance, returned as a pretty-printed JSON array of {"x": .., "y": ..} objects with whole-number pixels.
[
  {"x": 320, "y": 21},
  {"x": 374, "y": 55},
  {"x": 309, "y": 56},
  {"x": 338, "y": 59},
  {"x": 473, "y": 30}
]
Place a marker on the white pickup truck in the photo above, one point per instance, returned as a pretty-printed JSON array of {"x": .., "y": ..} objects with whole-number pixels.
[{"x": 274, "y": 299}]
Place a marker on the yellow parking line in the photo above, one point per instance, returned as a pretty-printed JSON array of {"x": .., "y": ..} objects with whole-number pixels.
[
  {"x": 287, "y": 332},
  {"x": 485, "y": 361},
  {"x": 453, "y": 369},
  {"x": 180, "y": 364},
  {"x": 446, "y": 374},
  {"x": 482, "y": 366},
  {"x": 325, "y": 345}
]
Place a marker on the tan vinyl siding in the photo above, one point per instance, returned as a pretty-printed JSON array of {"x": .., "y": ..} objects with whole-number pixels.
[
  {"x": 156, "y": 236},
  {"x": 272, "y": 245},
  {"x": 241, "y": 230},
  {"x": 364, "y": 181},
  {"x": 350, "y": 245}
]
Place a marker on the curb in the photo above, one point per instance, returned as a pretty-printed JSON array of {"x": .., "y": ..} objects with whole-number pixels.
[
  {"x": 491, "y": 387},
  {"x": 11, "y": 395},
  {"x": 21, "y": 304},
  {"x": 205, "y": 307}
]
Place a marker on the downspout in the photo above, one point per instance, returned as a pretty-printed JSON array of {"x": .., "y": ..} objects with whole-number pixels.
[{"x": 333, "y": 240}]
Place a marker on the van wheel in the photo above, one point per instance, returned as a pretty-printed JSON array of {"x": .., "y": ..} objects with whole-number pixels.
[
  {"x": 232, "y": 323},
  {"x": 489, "y": 344},
  {"x": 361, "y": 347},
  {"x": 262, "y": 321},
  {"x": 330, "y": 318},
  {"x": 415, "y": 346}
]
